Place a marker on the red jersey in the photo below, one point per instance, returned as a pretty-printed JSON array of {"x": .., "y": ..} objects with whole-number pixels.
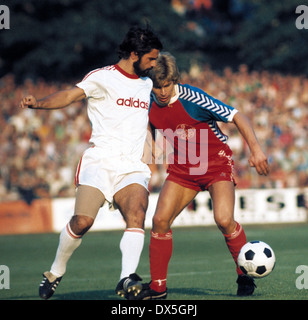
[{"x": 189, "y": 124}]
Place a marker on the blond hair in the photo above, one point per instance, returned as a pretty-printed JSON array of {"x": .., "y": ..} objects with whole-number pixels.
[{"x": 165, "y": 70}]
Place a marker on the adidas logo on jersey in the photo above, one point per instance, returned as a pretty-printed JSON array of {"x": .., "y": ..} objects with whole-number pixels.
[{"x": 133, "y": 103}]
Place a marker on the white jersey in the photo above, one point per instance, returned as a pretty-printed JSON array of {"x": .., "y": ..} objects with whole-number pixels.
[
  {"x": 118, "y": 110},
  {"x": 118, "y": 106}
]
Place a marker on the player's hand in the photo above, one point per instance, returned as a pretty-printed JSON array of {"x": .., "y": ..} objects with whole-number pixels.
[
  {"x": 259, "y": 161},
  {"x": 28, "y": 102}
]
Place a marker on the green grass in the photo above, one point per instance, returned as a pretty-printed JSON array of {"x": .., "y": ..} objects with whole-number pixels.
[{"x": 201, "y": 267}]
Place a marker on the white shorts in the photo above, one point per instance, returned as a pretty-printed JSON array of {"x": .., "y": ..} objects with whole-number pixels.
[{"x": 110, "y": 174}]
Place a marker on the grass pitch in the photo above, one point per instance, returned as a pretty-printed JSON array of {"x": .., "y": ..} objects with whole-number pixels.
[{"x": 201, "y": 267}]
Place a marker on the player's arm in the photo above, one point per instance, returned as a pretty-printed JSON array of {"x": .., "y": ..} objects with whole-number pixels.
[
  {"x": 58, "y": 100},
  {"x": 257, "y": 158},
  {"x": 148, "y": 147},
  {"x": 149, "y": 154}
]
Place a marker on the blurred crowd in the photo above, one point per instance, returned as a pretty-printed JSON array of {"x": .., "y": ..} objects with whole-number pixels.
[
  {"x": 40, "y": 149},
  {"x": 212, "y": 16}
]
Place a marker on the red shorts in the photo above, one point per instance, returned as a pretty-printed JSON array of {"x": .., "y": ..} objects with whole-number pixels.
[{"x": 220, "y": 168}]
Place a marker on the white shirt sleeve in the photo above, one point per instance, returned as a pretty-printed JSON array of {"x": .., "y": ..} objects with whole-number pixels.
[{"x": 92, "y": 86}]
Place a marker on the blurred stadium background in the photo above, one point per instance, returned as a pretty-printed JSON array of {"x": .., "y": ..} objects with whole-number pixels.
[{"x": 248, "y": 54}]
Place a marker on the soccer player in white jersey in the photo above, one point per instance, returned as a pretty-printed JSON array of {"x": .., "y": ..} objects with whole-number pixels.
[{"x": 111, "y": 169}]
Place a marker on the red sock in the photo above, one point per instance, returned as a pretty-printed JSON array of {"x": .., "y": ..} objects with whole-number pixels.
[
  {"x": 235, "y": 241},
  {"x": 160, "y": 254}
]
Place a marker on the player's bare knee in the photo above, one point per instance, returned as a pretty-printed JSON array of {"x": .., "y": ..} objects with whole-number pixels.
[
  {"x": 135, "y": 218},
  {"x": 226, "y": 225},
  {"x": 160, "y": 224},
  {"x": 81, "y": 224}
]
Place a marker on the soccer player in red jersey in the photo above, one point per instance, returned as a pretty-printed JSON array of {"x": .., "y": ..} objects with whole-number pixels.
[{"x": 187, "y": 117}]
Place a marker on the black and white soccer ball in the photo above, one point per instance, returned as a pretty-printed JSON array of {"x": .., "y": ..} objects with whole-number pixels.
[{"x": 256, "y": 259}]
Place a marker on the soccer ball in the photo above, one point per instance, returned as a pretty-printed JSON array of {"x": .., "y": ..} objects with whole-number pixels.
[{"x": 256, "y": 259}]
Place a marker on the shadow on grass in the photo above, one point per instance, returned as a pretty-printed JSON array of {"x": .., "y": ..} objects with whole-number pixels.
[
  {"x": 78, "y": 295},
  {"x": 197, "y": 293},
  {"x": 173, "y": 294},
  {"x": 88, "y": 295}
]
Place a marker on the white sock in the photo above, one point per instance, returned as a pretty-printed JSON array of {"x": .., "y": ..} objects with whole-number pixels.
[
  {"x": 131, "y": 246},
  {"x": 68, "y": 243}
]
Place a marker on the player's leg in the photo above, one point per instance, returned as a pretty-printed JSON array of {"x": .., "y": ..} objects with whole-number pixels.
[
  {"x": 88, "y": 201},
  {"x": 223, "y": 198},
  {"x": 132, "y": 201},
  {"x": 172, "y": 200}
]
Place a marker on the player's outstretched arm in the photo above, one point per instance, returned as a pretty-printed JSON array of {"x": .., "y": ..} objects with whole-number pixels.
[
  {"x": 57, "y": 100},
  {"x": 257, "y": 157}
]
